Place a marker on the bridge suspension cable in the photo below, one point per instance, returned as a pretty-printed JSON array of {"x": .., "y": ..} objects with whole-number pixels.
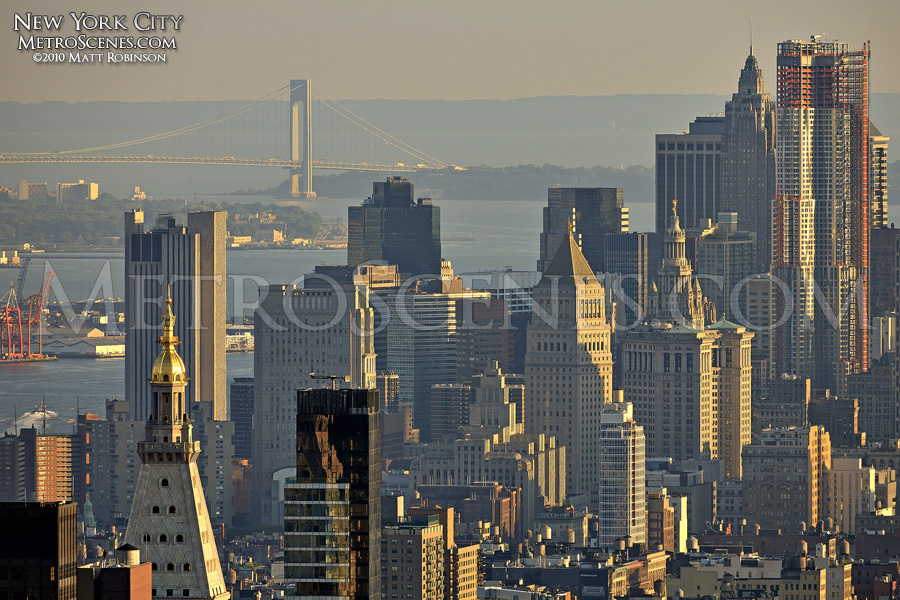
[
  {"x": 262, "y": 101},
  {"x": 379, "y": 133}
]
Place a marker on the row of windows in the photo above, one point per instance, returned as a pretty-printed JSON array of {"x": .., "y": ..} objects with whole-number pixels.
[
  {"x": 170, "y": 567},
  {"x": 155, "y": 510},
  {"x": 163, "y": 538}
]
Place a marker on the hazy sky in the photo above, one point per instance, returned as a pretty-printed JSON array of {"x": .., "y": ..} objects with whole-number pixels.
[{"x": 230, "y": 49}]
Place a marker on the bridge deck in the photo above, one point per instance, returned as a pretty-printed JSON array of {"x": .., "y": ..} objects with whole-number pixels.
[{"x": 206, "y": 160}]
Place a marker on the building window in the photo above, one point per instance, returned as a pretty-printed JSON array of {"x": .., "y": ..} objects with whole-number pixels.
[
  {"x": 186, "y": 567},
  {"x": 146, "y": 538},
  {"x": 170, "y": 567},
  {"x": 172, "y": 510},
  {"x": 179, "y": 539},
  {"x": 163, "y": 482},
  {"x": 163, "y": 538},
  {"x": 154, "y": 510},
  {"x": 185, "y": 592}
]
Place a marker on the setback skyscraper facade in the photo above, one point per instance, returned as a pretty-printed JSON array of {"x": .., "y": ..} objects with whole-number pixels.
[
  {"x": 393, "y": 227},
  {"x": 568, "y": 364},
  {"x": 192, "y": 259},
  {"x": 748, "y": 165},
  {"x": 821, "y": 212}
]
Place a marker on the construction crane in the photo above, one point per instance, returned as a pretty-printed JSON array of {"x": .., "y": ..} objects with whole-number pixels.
[{"x": 334, "y": 379}]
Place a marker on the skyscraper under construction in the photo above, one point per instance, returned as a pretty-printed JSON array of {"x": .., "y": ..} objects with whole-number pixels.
[{"x": 820, "y": 218}]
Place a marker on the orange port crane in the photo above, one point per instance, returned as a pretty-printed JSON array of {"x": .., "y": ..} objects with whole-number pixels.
[{"x": 20, "y": 321}]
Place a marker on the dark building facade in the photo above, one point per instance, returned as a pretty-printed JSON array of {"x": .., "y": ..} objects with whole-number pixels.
[
  {"x": 450, "y": 408},
  {"x": 338, "y": 476},
  {"x": 242, "y": 415},
  {"x": 485, "y": 334},
  {"x": 748, "y": 169},
  {"x": 37, "y": 550},
  {"x": 884, "y": 271},
  {"x": 689, "y": 169},
  {"x": 635, "y": 258},
  {"x": 392, "y": 226},
  {"x": 593, "y": 213}
]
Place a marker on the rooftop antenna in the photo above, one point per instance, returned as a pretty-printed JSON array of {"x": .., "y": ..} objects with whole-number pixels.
[{"x": 751, "y": 31}]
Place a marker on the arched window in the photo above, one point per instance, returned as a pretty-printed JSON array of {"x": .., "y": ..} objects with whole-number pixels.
[
  {"x": 154, "y": 510},
  {"x": 186, "y": 567},
  {"x": 172, "y": 510},
  {"x": 179, "y": 539},
  {"x": 163, "y": 482},
  {"x": 163, "y": 538},
  {"x": 146, "y": 538},
  {"x": 155, "y": 567},
  {"x": 170, "y": 566}
]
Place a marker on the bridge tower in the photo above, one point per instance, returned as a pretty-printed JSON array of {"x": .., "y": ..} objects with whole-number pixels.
[{"x": 301, "y": 139}]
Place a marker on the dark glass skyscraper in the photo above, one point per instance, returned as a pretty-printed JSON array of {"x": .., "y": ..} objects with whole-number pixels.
[
  {"x": 332, "y": 516},
  {"x": 37, "y": 550},
  {"x": 242, "y": 394},
  {"x": 392, "y": 226},
  {"x": 635, "y": 258},
  {"x": 593, "y": 213}
]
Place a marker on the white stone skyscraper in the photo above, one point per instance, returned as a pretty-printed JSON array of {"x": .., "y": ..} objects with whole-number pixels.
[
  {"x": 623, "y": 499},
  {"x": 568, "y": 364},
  {"x": 169, "y": 520}
]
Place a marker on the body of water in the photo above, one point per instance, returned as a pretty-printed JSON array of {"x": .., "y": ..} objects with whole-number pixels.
[
  {"x": 505, "y": 233},
  {"x": 69, "y": 384}
]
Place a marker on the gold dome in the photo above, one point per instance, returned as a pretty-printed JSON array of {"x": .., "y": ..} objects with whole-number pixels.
[{"x": 168, "y": 366}]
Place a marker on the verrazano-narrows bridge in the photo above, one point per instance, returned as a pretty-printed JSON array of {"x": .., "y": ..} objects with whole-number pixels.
[{"x": 338, "y": 129}]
